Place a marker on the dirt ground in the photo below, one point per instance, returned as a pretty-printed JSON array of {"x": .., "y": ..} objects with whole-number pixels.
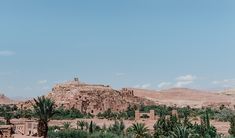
[
  {"x": 222, "y": 127},
  {"x": 21, "y": 136}
]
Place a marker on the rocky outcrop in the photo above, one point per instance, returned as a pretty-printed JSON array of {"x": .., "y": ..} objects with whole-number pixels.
[
  {"x": 93, "y": 98},
  {"x": 6, "y": 100}
]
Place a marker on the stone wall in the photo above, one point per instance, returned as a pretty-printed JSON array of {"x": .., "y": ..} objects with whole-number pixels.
[{"x": 6, "y": 131}]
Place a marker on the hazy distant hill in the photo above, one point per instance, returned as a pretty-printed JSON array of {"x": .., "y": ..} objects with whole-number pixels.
[
  {"x": 184, "y": 96},
  {"x": 228, "y": 92},
  {"x": 6, "y": 100}
]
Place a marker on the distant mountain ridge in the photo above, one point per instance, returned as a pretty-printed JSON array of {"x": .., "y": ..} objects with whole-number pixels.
[{"x": 186, "y": 96}]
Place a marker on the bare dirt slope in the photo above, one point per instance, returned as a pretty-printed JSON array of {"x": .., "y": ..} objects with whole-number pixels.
[
  {"x": 184, "y": 97},
  {"x": 6, "y": 100},
  {"x": 91, "y": 98}
]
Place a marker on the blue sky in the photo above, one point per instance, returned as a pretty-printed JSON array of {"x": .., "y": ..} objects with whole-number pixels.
[{"x": 127, "y": 43}]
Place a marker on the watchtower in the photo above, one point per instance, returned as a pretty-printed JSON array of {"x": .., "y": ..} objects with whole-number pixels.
[{"x": 76, "y": 79}]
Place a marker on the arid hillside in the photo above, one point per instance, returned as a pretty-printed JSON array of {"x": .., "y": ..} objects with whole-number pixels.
[
  {"x": 91, "y": 98},
  {"x": 184, "y": 97},
  {"x": 6, "y": 100}
]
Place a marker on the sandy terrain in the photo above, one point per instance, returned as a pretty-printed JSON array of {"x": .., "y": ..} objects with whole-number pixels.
[
  {"x": 21, "y": 136},
  {"x": 183, "y": 97}
]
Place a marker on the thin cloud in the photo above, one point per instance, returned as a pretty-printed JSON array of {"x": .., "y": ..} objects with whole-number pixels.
[
  {"x": 42, "y": 81},
  {"x": 7, "y": 53},
  {"x": 183, "y": 83},
  {"x": 163, "y": 85},
  {"x": 225, "y": 82},
  {"x": 143, "y": 86},
  {"x": 185, "y": 80}
]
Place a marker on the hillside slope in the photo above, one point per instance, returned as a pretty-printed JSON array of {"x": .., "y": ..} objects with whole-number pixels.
[
  {"x": 93, "y": 99},
  {"x": 184, "y": 97},
  {"x": 6, "y": 100}
]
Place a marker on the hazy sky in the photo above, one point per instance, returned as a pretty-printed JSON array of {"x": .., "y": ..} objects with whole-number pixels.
[{"x": 126, "y": 43}]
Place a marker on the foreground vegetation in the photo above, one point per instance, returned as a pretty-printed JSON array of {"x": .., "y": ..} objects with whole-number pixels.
[
  {"x": 176, "y": 126},
  {"x": 166, "y": 126}
]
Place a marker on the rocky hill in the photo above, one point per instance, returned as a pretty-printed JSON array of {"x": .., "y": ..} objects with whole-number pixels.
[
  {"x": 93, "y": 99},
  {"x": 6, "y": 100}
]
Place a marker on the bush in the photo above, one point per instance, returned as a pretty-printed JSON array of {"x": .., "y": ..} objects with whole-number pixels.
[
  {"x": 68, "y": 134},
  {"x": 224, "y": 115},
  {"x": 2, "y": 123},
  {"x": 232, "y": 126},
  {"x": 117, "y": 128},
  {"x": 104, "y": 135},
  {"x": 108, "y": 114},
  {"x": 53, "y": 128},
  {"x": 73, "y": 113}
]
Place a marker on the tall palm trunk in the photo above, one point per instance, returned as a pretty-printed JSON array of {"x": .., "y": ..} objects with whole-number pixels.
[
  {"x": 44, "y": 109},
  {"x": 42, "y": 129}
]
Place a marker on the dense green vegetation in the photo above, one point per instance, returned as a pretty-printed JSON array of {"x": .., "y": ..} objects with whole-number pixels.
[
  {"x": 73, "y": 113},
  {"x": 11, "y": 111},
  {"x": 128, "y": 114},
  {"x": 221, "y": 114},
  {"x": 182, "y": 127}
]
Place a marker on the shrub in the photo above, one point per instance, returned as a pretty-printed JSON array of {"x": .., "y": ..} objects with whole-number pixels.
[
  {"x": 73, "y": 113},
  {"x": 68, "y": 134},
  {"x": 224, "y": 115},
  {"x": 117, "y": 128},
  {"x": 232, "y": 126}
]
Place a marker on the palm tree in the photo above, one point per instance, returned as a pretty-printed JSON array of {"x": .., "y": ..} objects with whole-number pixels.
[
  {"x": 139, "y": 130},
  {"x": 117, "y": 128},
  {"x": 185, "y": 113},
  {"x": 182, "y": 132},
  {"x": 67, "y": 125},
  {"x": 44, "y": 110},
  {"x": 232, "y": 126},
  {"x": 81, "y": 124},
  {"x": 86, "y": 126},
  {"x": 91, "y": 127},
  {"x": 163, "y": 111},
  {"x": 8, "y": 116}
]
